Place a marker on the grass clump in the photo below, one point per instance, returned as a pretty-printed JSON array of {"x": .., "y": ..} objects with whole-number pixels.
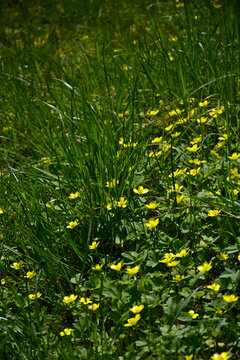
[{"x": 120, "y": 180}]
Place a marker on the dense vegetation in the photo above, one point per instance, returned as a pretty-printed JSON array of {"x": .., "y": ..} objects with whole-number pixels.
[{"x": 119, "y": 180}]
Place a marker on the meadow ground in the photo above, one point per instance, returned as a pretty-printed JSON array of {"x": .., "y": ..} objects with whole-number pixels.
[{"x": 119, "y": 180}]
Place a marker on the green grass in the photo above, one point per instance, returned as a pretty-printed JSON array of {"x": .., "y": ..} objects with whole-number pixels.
[{"x": 97, "y": 99}]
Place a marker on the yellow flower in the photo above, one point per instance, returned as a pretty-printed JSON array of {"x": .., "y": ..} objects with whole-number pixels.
[
  {"x": 35, "y": 296},
  {"x": 133, "y": 321},
  {"x": 30, "y": 274},
  {"x": 175, "y": 112},
  {"x": 3, "y": 281},
  {"x": 194, "y": 148},
  {"x": 224, "y": 137},
  {"x": 188, "y": 357},
  {"x": 93, "y": 307},
  {"x": 85, "y": 301},
  {"x": 94, "y": 245},
  {"x": 194, "y": 172},
  {"x": 17, "y": 265},
  {"x": 152, "y": 223},
  {"x": 179, "y": 198},
  {"x": 239, "y": 257},
  {"x": 116, "y": 267},
  {"x": 182, "y": 253},
  {"x": 193, "y": 314},
  {"x": 74, "y": 195},
  {"x": 176, "y": 134},
  {"x": 202, "y": 120},
  {"x": 73, "y": 224},
  {"x": 46, "y": 160},
  {"x": 173, "y": 263},
  {"x": 152, "y": 113},
  {"x": 137, "y": 309},
  {"x": 178, "y": 172},
  {"x": 204, "y": 103},
  {"x": 197, "y": 161},
  {"x": 214, "y": 287},
  {"x": 140, "y": 190},
  {"x": 66, "y": 331},
  {"x": 1, "y": 211},
  {"x": 222, "y": 256},
  {"x": 152, "y": 205},
  {"x": 167, "y": 258},
  {"x": 171, "y": 58},
  {"x": 157, "y": 140},
  {"x": 178, "y": 277},
  {"x": 196, "y": 140},
  {"x": 112, "y": 184},
  {"x": 175, "y": 188},
  {"x": 168, "y": 128},
  {"x": 134, "y": 270},
  {"x": 69, "y": 299},
  {"x": 234, "y": 156},
  {"x": 205, "y": 267},
  {"x": 223, "y": 356},
  {"x": 213, "y": 213},
  {"x": 122, "y": 202},
  {"x": 230, "y": 298},
  {"x": 97, "y": 267}
]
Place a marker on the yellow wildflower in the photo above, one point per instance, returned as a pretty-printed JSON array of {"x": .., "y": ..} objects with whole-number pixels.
[
  {"x": 69, "y": 299},
  {"x": 35, "y": 296},
  {"x": 97, "y": 267},
  {"x": 176, "y": 134},
  {"x": 234, "y": 156},
  {"x": 173, "y": 263},
  {"x": 239, "y": 257},
  {"x": 175, "y": 112},
  {"x": 152, "y": 223},
  {"x": 134, "y": 270},
  {"x": 3, "y": 281},
  {"x": 152, "y": 205},
  {"x": 116, "y": 267},
  {"x": 175, "y": 188},
  {"x": 1, "y": 211},
  {"x": 94, "y": 245},
  {"x": 213, "y": 213},
  {"x": 194, "y": 148},
  {"x": 93, "y": 307},
  {"x": 17, "y": 265},
  {"x": 66, "y": 331},
  {"x": 204, "y": 103},
  {"x": 152, "y": 113},
  {"x": 157, "y": 140},
  {"x": 214, "y": 287},
  {"x": 178, "y": 277},
  {"x": 202, "y": 120},
  {"x": 222, "y": 256},
  {"x": 74, "y": 195},
  {"x": 197, "y": 161},
  {"x": 73, "y": 224},
  {"x": 182, "y": 253},
  {"x": 193, "y": 314},
  {"x": 137, "y": 309},
  {"x": 196, "y": 140},
  {"x": 224, "y": 137},
  {"x": 178, "y": 172},
  {"x": 168, "y": 128},
  {"x": 112, "y": 184},
  {"x": 188, "y": 357},
  {"x": 122, "y": 202},
  {"x": 167, "y": 258},
  {"x": 85, "y": 301},
  {"x": 230, "y": 298},
  {"x": 171, "y": 58},
  {"x": 133, "y": 321},
  {"x": 140, "y": 190},
  {"x": 30, "y": 274},
  {"x": 223, "y": 356},
  {"x": 194, "y": 172},
  {"x": 205, "y": 267}
]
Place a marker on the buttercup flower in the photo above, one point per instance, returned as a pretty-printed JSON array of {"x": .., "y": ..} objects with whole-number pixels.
[
  {"x": 204, "y": 103},
  {"x": 66, "y": 331},
  {"x": 140, "y": 190},
  {"x": 152, "y": 223},
  {"x": 35, "y": 296},
  {"x": 193, "y": 314},
  {"x": 74, "y": 195},
  {"x": 152, "y": 113},
  {"x": 73, "y": 224},
  {"x": 173, "y": 263},
  {"x": 137, "y": 309},
  {"x": 94, "y": 245},
  {"x": 93, "y": 307},
  {"x": 152, "y": 205},
  {"x": 223, "y": 356},
  {"x": 178, "y": 277},
  {"x": 133, "y": 321},
  {"x": 69, "y": 299},
  {"x": 122, "y": 202},
  {"x": 97, "y": 267},
  {"x": 112, "y": 183},
  {"x": 116, "y": 267},
  {"x": 194, "y": 148},
  {"x": 230, "y": 298},
  {"x": 234, "y": 156},
  {"x": 30, "y": 274},
  {"x": 222, "y": 256},
  {"x": 205, "y": 267},
  {"x": 133, "y": 271},
  {"x": 85, "y": 301},
  {"x": 182, "y": 253},
  {"x": 17, "y": 265},
  {"x": 168, "y": 257},
  {"x": 213, "y": 213},
  {"x": 214, "y": 287},
  {"x": 157, "y": 140}
]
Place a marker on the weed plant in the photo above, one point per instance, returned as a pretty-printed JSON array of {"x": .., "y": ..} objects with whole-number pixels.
[{"x": 119, "y": 180}]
